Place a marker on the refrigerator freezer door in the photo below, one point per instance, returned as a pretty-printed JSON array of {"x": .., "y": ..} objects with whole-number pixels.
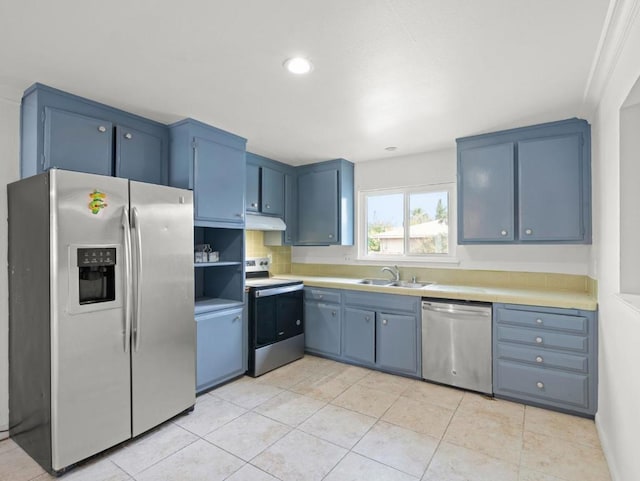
[
  {"x": 163, "y": 332},
  {"x": 90, "y": 370}
]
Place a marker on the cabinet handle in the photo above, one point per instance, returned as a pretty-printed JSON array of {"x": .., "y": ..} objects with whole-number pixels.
[
  {"x": 128, "y": 136},
  {"x": 102, "y": 129},
  {"x": 538, "y": 340},
  {"x": 503, "y": 232},
  {"x": 540, "y": 385},
  {"x": 253, "y": 204},
  {"x": 330, "y": 236},
  {"x": 267, "y": 206},
  {"x": 538, "y": 321},
  {"x": 237, "y": 318},
  {"x": 240, "y": 215},
  {"x": 539, "y": 359},
  {"x": 367, "y": 318},
  {"x": 333, "y": 313},
  {"x": 384, "y": 322},
  {"x": 528, "y": 231},
  {"x": 320, "y": 296}
]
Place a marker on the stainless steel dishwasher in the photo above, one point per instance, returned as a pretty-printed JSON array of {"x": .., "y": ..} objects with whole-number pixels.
[{"x": 456, "y": 344}]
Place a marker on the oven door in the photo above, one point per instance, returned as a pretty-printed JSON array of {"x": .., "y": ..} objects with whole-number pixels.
[{"x": 277, "y": 314}]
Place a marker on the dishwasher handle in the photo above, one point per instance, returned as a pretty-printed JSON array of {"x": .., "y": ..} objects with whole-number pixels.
[{"x": 457, "y": 309}]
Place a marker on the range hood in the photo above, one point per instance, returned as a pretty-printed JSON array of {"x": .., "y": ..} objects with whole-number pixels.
[{"x": 263, "y": 222}]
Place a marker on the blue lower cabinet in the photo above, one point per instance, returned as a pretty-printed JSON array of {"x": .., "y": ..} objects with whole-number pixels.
[
  {"x": 322, "y": 327},
  {"x": 219, "y": 347},
  {"x": 396, "y": 342},
  {"x": 358, "y": 335},
  {"x": 546, "y": 357}
]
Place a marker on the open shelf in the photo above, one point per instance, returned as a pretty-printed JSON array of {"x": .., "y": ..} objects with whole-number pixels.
[
  {"x": 207, "y": 304},
  {"x": 216, "y": 264}
]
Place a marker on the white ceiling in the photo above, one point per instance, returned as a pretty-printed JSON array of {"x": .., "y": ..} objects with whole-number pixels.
[{"x": 414, "y": 74}]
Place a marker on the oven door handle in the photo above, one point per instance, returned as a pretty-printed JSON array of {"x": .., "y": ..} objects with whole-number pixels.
[{"x": 274, "y": 291}]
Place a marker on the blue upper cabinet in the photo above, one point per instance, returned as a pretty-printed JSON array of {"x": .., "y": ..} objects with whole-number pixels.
[
  {"x": 212, "y": 163},
  {"x": 253, "y": 186},
  {"x": 486, "y": 193},
  {"x": 272, "y": 191},
  {"x": 527, "y": 185},
  {"x": 136, "y": 155},
  {"x": 77, "y": 142},
  {"x": 61, "y": 130},
  {"x": 325, "y": 203}
]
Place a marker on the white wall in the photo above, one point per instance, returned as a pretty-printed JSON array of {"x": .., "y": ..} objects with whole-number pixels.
[
  {"x": 618, "y": 417},
  {"x": 438, "y": 168},
  {"x": 9, "y": 171}
]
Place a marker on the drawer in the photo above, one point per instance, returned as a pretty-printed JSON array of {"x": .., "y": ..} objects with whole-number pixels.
[
  {"x": 545, "y": 384},
  {"x": 542, "y": 357},
  {"x": 542, "y": 320},
  {"x": 324, "y": 295},
  {"x": 548, "y": 339}
]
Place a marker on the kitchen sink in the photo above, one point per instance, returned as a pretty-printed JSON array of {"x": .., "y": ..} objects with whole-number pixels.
[
  {"x": 388, "y": 283},
  {"x": 411, "y": 285},
  {"x": 376, "y": 282}
]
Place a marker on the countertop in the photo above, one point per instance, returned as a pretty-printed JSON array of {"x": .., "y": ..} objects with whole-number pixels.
[{"x": 529, "y": 296}]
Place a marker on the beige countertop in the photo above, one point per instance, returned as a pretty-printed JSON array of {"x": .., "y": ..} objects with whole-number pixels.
[{"x": 528, "y": 296}]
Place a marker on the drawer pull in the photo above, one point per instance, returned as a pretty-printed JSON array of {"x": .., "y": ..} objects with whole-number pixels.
[
  {"x": 384, "y": 322},
  {"x": 333, "y": 313},
  {"x": 368, "y": 318},
  {"x": 539, "y": 359},
  {"x": 538, "y": 321},
  {"x": 538, "y": 340},
  {"x": 540, "y": 385}
]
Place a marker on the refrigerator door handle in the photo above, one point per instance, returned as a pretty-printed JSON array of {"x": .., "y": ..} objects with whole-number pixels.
[
  {"x": 136, "y": 225},
  {"x": 127, "y": 277}
]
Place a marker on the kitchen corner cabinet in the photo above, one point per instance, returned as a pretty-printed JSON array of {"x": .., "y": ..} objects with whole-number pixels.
[
  {"x": 546, "y": 357},
  {"x": 325, "y": 203},
  {"x": 211, "y": 162},
  {"x": 61, "y": 130},
  {"x": 527, "y": 185},
  {"x": 323, "y": 321},
  {"x": 219, "y": 347}
]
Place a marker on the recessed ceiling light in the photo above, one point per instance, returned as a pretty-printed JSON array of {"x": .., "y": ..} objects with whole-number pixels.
[
  {"x": 298, "y": 65},
  {"x": 391, "y": 149}
]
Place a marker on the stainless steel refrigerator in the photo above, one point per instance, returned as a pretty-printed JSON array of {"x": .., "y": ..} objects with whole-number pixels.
[{"x": 101, "y": 326}]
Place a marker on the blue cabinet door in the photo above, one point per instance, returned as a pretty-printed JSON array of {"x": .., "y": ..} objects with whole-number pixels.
[
  {"x": 396, "y": 338},
  {"x": 219, "y": 182},
  {"x": 550, "y": 188},
  {"x": 318, "y": 207},
  {"x": 253, "y": 188},
  {"x": 272, "y": 191},
  {"x": 358, "y": 335},
  {"x": 219, "y": 350},
  {"x": 290, "y": 209},
  {"x": 486, "y": 194},
  {"x": 77, "y": 142},
  {"x": 322, "y": 327},
  {"x": 139, "y": 156}
]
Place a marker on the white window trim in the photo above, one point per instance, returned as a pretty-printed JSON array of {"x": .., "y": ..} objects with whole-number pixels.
[{"x": 409, "y": 259}]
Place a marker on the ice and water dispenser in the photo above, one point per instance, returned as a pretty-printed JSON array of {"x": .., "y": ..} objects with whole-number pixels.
[{"x": 96, "y": 275}]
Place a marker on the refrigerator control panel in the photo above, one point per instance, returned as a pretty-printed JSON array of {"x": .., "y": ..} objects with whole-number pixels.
[{"x": 96, "y": 256}]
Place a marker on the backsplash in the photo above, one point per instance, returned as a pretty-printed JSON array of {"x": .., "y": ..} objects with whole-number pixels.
[{"x": 280, "y": 256}]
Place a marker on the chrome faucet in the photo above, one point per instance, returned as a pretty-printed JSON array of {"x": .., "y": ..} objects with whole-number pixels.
[{"x": 394, "y": 271}]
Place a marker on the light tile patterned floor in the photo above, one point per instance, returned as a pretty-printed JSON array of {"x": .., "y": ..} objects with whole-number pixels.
[{"x": 317, "y": 420}]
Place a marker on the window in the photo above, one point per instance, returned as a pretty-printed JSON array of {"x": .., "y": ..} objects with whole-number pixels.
[{"x": 411, "y": 224}]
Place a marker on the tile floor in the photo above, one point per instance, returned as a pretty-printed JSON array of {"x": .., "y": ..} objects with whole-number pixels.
[{"x": 320, "y": 420}]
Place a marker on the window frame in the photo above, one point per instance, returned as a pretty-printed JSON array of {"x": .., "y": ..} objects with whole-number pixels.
[{"x": 362, "y": 237}]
